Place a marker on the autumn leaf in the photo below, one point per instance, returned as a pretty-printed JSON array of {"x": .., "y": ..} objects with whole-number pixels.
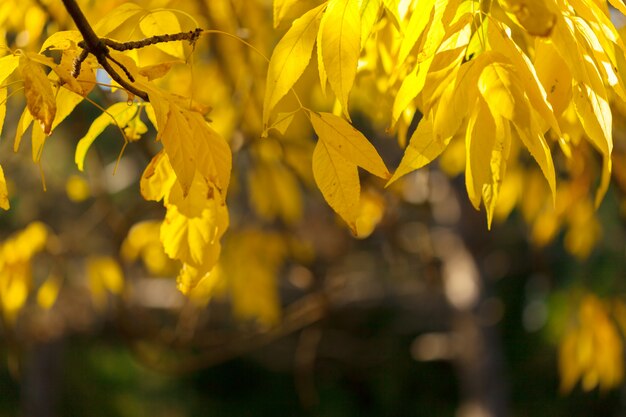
[
  {"x": 39, "y": 94},
  {"x": 61, "y": 40},
  {"x": 194, "y": 224},
  {"x": 213, "y": 158},
  {"x": 290, "y": 58},
  {"x": 280, "y": 10},
  {"x": 117, "y": 17},
  {"x": 487, "y": 146},
  {"x": 119, "y": 114},
  {"x": 338, "y": 180},
  {"x": 370, "y": 12},
  {"x": 339, "y": 150},
  {"x": 161, "y": 22},
  {"x": 4, "y": 194},
  {"x": 348, "y": 142},
  {"x": 158, "y": 178},
  {"x": 340, "y": 45},
  {"x": 423, "y": 148},
  {"x": 533, "y": 15},
  {"x": 420, "y": 18},
  {"x": 178, "y": 142}
]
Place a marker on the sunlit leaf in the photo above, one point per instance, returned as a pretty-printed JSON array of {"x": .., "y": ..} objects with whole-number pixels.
[
  {"x": 194, "y": 224},
  {"x": 117, "y": 114},
  {"x": 158, "y": 178},
  {"x": 117, "y": 17},
  {"x": 338, "y": 180},
  {"x": 533, "y": 15},
  {"x": 370, "y": 12},
  {"x": 423, "y": 148},
  {"x": 290, "y": 58},
  {"x": 340, "y": 46},
  {"x": 348, "y": 142},
  {"x": 280, "y": 10},
  {"x": 62, "y": 40},
  {"x": 162, "y": 22}
]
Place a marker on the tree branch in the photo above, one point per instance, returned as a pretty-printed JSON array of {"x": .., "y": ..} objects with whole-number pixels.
[{"x": 97, "y": 47}]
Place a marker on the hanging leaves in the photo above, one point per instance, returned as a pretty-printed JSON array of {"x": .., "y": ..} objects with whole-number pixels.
[{"x": 339, "y": 151}]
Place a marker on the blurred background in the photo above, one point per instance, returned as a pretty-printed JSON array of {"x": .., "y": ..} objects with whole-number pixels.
[{"x": 425, "y": 313}]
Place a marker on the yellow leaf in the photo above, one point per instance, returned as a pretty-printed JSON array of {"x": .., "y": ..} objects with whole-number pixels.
[
  {"x": 320, "y": 60},
  {"x": 392, "y": 7},
  {"x": 341, "y": 45},
  {"x": 180, "y": 146},
  {"x": 3, "y": 107},
  {"x": 423, "y": 148},
  {"x": 194, "y": 224},
  {"x": 158, "y": 178},
  {"x": 499, "y": 86},
  {"x": 189, "y": 278},
  {"x": 280, "y": 10},
  {"x": 454, "y": 103},
  {"x": 290, "y": 58},
  {"x": 554, "y": 74},
  {"x": 487, "y": 144},
  {"x": 282, "y": 122},
  {"x": 39, "y": 94},
  {"x": 118, "y": 113},
  {"x": 348, "y": 142},
  {"x": 163, "y": 22},
  {"x": 116, "y": 18},
  {"x": 370, "y": 12},
  {"x": 213, "y": 157},
  {"x": 371, "y": 211},
  {"x": 338, "y": 180},
  {"x": 4, "y": 194},
  {"x": 495, "y": 86},
  {"x": 67, "y": 101},
  {"x": 38, "y": 138},
  {"x": 8, "y": 64},
  {"x": 421, "y": 16},
  {"x": 156, "y": 71},
  {"x": 22, "y": 125},
  {"x": 61, "y": 40},
  {"x": 595, "y": 116},
  {"x": 528, "y": 79},
  {"x": 409, "y": 89},
  {"x": 533, "y": 15}
]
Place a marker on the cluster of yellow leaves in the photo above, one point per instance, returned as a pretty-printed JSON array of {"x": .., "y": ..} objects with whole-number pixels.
[
  {"x": 495, "y": 77},
  {"x": 533, "y": 73},
  {"x": 16, "y": 254},
  {"x": 592, "y": 348}
]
